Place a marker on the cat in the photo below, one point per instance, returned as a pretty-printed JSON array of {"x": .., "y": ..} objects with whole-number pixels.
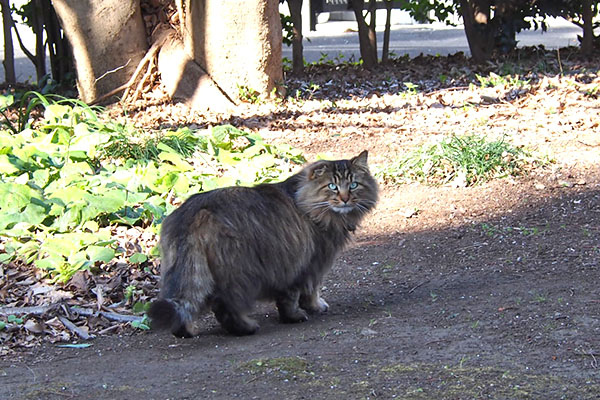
[{"x": 226, "y": 248}]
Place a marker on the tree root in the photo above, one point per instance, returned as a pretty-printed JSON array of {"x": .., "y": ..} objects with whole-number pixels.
[{"x": 146, "y": 65}]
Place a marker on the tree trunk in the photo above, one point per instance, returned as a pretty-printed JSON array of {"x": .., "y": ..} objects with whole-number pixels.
[
  {"x": 108, "y": 39},
  {"x": 366, "y": 33},
  {"x": 58, "y": 47},
  {"x": 476, "y": 18},
  {"x": 295, "y": 7},
  {"x": 9, "y": 51},
  {"x": 587, "y": 44},
  {"x": 385, "y": 53},
  {"x": 238, "y": 43},
  {"x": 40, "y": 47}
]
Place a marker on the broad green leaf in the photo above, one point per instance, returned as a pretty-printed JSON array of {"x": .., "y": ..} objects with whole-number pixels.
[
  {"x": 75, "y": 168},
  {"x": 69, "y": 194},
  {"x": 9, "y": 164},
  {"x": 6, "y": 101},
  {"x": 228, "y": 158},
  {"x": 14, "y": 196},
  {"x": 100, "y": 253},
  {"x": 176, "y": 160},
  {"x": 56, "y": 112},
  {"x": 41, "y": 177},
  {"x": 138, "y": 258},
  {"x": 59, "y": 246},
  {"x": 49, "y": 263}
]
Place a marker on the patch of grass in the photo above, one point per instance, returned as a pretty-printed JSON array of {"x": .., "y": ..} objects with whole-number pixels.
[
  {"x": 280, "y": 367},
  {"x": 466, "y": 160}
]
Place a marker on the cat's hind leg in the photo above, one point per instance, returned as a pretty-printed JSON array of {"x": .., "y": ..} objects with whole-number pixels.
[
  {"x": 287, "y": 305},
  {"x": 234, "y": 320}
]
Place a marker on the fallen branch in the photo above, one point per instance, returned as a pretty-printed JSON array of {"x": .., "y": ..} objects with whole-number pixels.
[
  {"x": 74, "y": 328},
  {"x": 84, "y": 312}
]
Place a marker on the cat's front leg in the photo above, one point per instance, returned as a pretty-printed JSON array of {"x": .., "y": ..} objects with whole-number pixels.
[{"x": 313, "y": 302}]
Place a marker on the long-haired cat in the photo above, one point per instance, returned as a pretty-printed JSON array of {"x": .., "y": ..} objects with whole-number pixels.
[{"x": 227, "y": 248}]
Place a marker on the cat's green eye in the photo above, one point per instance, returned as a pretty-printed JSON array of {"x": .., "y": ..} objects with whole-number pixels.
[
  {"x": 353, "y": 185},
  {"x": 332, "y": 186}
]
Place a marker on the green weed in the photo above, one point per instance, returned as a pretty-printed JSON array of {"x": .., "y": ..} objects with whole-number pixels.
[
  {"x": 249, "y": 95},
  {"x": 466, "y": 159},
  {"x": 507, "y": 81}
]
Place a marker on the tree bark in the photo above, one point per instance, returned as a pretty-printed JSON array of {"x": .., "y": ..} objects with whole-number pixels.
[
  {"x": 366, "y": 33},
  {"x": 476, "y": 18},
  {"x": 587, "y": 43},
  {"x": 238, "y": 43},
  {"x": 295, "y": 7},
  {"x": 108, "y": 40},
  {"x": 40, "y": 48},
  {"x": 385, "y": 53},
  {"x": 9, "y": 51}
]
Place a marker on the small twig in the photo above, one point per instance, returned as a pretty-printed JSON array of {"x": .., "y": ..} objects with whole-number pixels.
[
  {"x": 418, "y": 286},
  {"x": 559, "y": 62}
]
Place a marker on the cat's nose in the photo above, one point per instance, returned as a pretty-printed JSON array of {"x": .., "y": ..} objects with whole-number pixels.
[{"x": 344, "y": 197}]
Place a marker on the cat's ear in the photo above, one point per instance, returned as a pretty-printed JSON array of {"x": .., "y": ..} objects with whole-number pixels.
[
  {"x": 361, "y": 160},
  {"x": 316, "y": 170}
]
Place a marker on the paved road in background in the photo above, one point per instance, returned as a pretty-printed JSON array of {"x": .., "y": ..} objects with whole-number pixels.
[{"x": 336, "y": 38}]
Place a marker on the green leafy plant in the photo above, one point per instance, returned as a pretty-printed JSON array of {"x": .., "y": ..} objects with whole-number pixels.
[
  {"x": 65, "y": 183},
  {"x": 495, "y": 80},
  {"x": 249, "y": 95},
  {"x": 471, "y": 159}
]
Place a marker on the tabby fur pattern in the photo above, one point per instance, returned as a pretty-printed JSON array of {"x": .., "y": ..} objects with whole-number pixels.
[{"x": 227, "y": 248}]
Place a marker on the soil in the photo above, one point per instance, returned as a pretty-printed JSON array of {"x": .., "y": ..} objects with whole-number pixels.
[{"x": 488, "y": 291}]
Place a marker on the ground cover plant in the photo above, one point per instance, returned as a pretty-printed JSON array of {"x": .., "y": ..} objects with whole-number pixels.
[{"x": 482, "y": 289}]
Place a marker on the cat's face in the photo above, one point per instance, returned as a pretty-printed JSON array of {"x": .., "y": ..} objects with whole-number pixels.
[{"x": 342, "y": 187}]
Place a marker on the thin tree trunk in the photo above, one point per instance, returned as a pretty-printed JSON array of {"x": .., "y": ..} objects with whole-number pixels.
[
  {"x": 587, "y": 44},
  {"x": 9, "y": 51},
  {"x": 295, "y": 7},
  {"x": 366, "y": 35},
  {"x": 58, "y": 46},
  {"x": 385, "y": 54},
  {"x": 40, "y": 48}
]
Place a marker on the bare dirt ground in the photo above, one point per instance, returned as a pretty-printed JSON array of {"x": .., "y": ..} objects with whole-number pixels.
[{"x": 489, "y": 291}]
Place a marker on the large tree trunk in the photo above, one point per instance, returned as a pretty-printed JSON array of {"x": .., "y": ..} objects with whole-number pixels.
[
  {"x": 295, "y": 7},
  {"x": 366, "y": 33},
  {"x": 477, "y": 21},
  {"x": 108, "y": 39},
  {"x": 9, "y": 51},
  {"x": 238, "y": 43}
]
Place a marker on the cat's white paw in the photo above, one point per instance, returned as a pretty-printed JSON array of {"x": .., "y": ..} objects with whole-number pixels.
[{"x": 321, "y": 305}]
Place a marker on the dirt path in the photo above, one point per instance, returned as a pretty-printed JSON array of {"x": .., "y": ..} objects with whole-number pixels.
[{"x": 493, "y": 302}]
